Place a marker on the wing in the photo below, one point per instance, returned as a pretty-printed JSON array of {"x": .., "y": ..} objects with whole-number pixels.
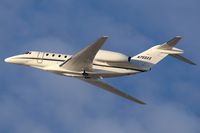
[
  {"x": 83, "y": 60},
  {"x": 111, "y": 89}
]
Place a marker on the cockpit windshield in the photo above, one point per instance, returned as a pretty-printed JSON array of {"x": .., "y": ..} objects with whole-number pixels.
[{"x": 27, "y": 52}]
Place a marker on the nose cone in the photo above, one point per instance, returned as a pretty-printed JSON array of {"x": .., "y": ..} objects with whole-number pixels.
[
  {"x": 8, "y": 60},
  {"x": 15, "y": 60}
]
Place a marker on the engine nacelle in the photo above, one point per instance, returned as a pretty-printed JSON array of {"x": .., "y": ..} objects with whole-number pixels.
[{"x": 109, "y": 56}]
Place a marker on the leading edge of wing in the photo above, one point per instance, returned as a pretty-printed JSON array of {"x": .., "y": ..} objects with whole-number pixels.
[
  {"x": 83, "y": 59},
  {"x": 111, "y": 89}
]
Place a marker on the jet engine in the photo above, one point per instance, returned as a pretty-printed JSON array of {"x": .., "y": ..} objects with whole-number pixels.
[{"x": 108, "y": 56}]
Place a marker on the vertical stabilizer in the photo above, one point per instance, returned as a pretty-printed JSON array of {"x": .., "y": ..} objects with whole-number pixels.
[
  {"x": 148, "y": 58},
  {"x": 152, "y": 56}
]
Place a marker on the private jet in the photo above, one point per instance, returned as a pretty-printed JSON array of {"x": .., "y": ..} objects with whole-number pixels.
[{"x": 92, "y": 64}]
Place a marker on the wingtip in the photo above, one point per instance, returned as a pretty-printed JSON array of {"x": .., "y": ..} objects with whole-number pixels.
[
  {"x": 178, "y": 37},
  {"x": 139, "y": 102},
  {"x": 142, "y": 103},
  {"x": 104, "y": 36},
  {"x": 194, "y": 64}
]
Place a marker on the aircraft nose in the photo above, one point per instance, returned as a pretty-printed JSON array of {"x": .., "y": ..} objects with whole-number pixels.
[{"x": 8, "y": 60}]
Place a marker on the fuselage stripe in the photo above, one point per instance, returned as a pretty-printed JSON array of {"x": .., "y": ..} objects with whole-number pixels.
[{"x": 121, "y": 67}]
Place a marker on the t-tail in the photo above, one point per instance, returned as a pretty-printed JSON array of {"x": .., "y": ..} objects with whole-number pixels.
[{"x": 152, "y": 56}]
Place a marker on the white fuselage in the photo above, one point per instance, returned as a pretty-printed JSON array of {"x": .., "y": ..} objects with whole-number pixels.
[{"x": 106, "y": 64}]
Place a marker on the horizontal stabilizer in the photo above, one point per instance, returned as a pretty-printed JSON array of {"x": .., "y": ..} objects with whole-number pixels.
[
  {"x": 168, "y": 48},
  {"x": 171, "y": 43},
  {"x": 179, "y": 57},
  {"x": 171, "y": 51}
]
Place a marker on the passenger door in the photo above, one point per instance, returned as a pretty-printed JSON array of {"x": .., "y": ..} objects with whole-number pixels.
[{"x": 40, "y": 57}]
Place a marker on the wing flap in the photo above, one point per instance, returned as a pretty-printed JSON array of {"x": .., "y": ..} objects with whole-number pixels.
[{"x": 111, "y": 89}]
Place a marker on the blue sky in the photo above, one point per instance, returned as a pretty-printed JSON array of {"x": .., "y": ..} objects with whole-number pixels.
[{"x": 35, "y": 101}]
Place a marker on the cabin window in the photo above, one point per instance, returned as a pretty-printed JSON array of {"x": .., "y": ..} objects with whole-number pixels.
[
  {"x": 47, "y": 54},
  {"x": 53, "y": 55},
  {"x": 59, "y": 55},
  {"x": 29, "y": 53},
  {"x": 65, "y": 56}
]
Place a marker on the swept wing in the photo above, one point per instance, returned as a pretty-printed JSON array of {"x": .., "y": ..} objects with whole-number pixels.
[
  {"x": 111, "y": 89},
  {"x": 83, "y": 60}
]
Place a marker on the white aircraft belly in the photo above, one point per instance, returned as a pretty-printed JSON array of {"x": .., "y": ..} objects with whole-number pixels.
[
  {"x": 105, "y": 71},
  {"x": 101, "y": 72}
]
